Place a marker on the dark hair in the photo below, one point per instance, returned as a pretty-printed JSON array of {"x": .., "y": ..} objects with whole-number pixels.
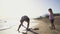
[{"x": 49, "y": 9}]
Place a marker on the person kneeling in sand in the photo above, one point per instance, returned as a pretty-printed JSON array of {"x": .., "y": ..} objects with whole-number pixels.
[{"x": 24, "y": 18}]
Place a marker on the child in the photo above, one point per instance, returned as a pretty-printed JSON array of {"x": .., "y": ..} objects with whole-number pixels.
[
  {"x": 51, "y": 17},
  {"x": 24, "y": 18}
]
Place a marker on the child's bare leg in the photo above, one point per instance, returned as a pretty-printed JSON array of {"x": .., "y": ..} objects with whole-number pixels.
[
  {"x": 28, "y": 26},
  {"x": 53, "y": 26},
  {"x": 20, "y": 26}
]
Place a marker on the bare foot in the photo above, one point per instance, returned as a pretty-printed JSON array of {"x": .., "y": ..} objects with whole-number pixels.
[
  {"x": 28, "y": 29},
  {"x": 54, "y": 28},
  {"x": 18, "y": 31}
]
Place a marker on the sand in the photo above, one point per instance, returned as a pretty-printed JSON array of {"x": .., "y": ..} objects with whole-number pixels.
[{"x": 42, "y": 26}]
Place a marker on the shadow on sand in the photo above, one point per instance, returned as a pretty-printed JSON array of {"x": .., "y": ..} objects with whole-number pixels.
[{"x": 30, "y": 30}]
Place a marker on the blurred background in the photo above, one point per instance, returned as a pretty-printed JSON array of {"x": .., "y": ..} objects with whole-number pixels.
[{"x": 31, "y": 8}]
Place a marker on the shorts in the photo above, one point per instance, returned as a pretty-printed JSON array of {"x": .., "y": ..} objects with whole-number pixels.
[
  {"x": 23, "y": 19},
  {"x": 52, "y": 21}
]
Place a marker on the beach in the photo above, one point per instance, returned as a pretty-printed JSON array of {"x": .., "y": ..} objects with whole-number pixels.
[{"x": 42, "y": 25}]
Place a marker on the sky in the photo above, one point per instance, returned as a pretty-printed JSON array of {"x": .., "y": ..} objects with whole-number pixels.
[{"x": 31, "y": 8}]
